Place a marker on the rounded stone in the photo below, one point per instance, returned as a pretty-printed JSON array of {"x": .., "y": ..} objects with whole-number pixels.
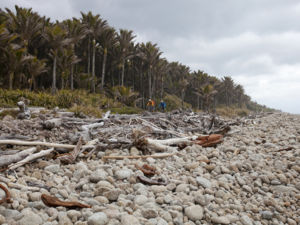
[
  {"x": 220, "y": 220},
  {"x": 123, "y": 174},
  {"x": 203, "y": 182},
  {"x": 129, "y": 220},
  {"x": 99, "y": 218},
  {"x": 194, "y": 212}
]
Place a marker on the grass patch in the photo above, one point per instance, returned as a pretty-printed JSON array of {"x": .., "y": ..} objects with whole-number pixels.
[
  {"x": 232, "y": 112},
  {"x": 173, "y": 102},
  {"x": 9, "y": 112},
  {"x": 126, "y": 110}
]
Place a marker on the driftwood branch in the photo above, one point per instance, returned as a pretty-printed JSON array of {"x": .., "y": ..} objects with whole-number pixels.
[
  {"x": 155, "y": 156},
  {"x": 8, "y": 159},
  {"x": 17, "y": 186},
  {"x": 7, "y": 195},
  {"x": 31, "y": 158},
  {"x": 71, "y": 157},
  {"x": 52, "y": 201},
  {"x": 32, "y": 143}
]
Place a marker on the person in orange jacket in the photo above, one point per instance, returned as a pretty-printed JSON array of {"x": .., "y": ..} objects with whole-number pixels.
[{"x": 151, "y": 105}]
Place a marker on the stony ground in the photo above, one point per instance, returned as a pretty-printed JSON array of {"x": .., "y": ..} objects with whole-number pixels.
[{"x": 245, "y": 180}]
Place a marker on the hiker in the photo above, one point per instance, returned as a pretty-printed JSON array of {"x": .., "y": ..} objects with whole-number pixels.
[
  {"x": 162, "y": 105},
  {"x": 151, "y": 105}
]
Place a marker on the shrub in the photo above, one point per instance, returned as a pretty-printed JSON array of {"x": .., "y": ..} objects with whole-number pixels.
[
  {"x": 89, "y": 110},
  {"x": 126, "y": 110}
]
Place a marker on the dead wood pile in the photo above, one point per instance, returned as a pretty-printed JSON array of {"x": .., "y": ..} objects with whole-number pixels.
[{"x": 27, "y": 139}]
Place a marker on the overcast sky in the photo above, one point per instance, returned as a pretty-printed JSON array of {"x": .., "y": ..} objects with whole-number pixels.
[{"x": 256, "y": 42}]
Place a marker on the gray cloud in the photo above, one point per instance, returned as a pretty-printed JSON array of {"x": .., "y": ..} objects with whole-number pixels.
[{"x": 254, "y": 41}]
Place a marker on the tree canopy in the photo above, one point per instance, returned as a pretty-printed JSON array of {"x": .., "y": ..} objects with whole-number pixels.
[{"x": 88, "y": 53}]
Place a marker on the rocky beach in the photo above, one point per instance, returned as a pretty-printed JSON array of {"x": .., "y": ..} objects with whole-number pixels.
[{"x": 251, "y": 178}]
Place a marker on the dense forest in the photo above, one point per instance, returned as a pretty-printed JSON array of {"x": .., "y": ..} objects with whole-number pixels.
[{"x": 87, "y": 53}]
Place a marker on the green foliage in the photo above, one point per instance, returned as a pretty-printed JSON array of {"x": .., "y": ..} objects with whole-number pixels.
[
  {"x": 9, "y": 112},
  {"x": 232, "y": 111},
  {"x": 65, "y": 98},
  {"x": 126, "y": 110},
  {"x": 86, "y": 110},
  {"x": 124, "y": 94},
  {"x": 173, "y": 102}
]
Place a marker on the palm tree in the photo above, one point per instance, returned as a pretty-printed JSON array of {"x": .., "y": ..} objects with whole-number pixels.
[
  {"x": 34, "y": 68},
  {"x": 15, "y": 59},
  {"x": 65, "y": 63},
  {"x": 96, "y": 26},
  {"x": 151, "y": 54},
  {"x": 77, "y": 32},
  {"x": 108, "y": 40},
  {"x": 207, "y": 92},
  {"x": 56, "y": 38},
  {"x": 227, "y": 89},
  {"x": 125, "y": 39},
  {"x": 27, "y": 24}
]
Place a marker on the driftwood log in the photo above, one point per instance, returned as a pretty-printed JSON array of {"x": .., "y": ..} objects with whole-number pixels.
[
  {"x": 31, "y": 158},
  {"x": 9, "y": 159},
  {"x": 52, "y": 201}
]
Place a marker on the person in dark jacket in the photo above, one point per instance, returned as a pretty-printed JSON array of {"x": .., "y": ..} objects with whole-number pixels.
[{"x": 162, "y": 105}]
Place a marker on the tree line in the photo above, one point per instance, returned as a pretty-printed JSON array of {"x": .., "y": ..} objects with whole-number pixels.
[{"x": 88, "y": 53}]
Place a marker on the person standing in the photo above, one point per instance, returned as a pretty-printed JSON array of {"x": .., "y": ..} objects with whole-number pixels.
[
  {"x": 162, "y": 105},
  {"x": 151, "y": 105}
]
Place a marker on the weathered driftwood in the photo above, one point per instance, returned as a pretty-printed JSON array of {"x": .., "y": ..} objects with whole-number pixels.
[
  {"x": 52, "y": 123},
  {"x": 156, "y": 128},
  {"x": 147, "y": 170},
  {"x": 52, "y": 201},
  {"x": 146, "y": 180},
  {"x": 85, "y": 134},
  {"x": 285, "y": 149},
  {"x": 31, "y": 158},
  {"x": 69, "y": 158},
  {"x": 155, "y": 156},
  {"x": 209, "y": 140},
  {"x": 147, "y": 144},
  {"x": 14, "y": 136},
  {"x": 16, "y": 185},
  {"x": 7, "y": 195},
  {"x": 9, "y": 159},
  {"x": 9, "y": 152},
  {"x": 32, "y": 143}
]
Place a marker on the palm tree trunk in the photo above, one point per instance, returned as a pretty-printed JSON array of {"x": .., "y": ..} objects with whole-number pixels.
[
  {"x": 62, "y": 82},
  {"x": 153, "y": 86},
  {"x": 71, "y": 77},
  {"x": 11, "y": 79},
  {"x": 103, "y": 67},
  {"x": 149, "y": 80},
  {"x": 89, "y": 57},
  {"x": 162, "y": 87},
  {"x": 123, "y": 71},
  {"x": 93, "y": 70},
  {"x": 182, "y": 98},
  {"x": 54, "y": 76}
]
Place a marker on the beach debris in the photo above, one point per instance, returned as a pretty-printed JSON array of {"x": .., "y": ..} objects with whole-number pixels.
[{"x": 52, "y": 201}]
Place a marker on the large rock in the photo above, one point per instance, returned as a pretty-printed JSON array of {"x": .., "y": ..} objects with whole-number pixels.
[
  {"x": 220, "y": 220},
  {"x": 194, "y": 212},
  {"x": 52, "y": 168},
  {"x": 246, "y": 220},
  {"x": 99, "y": 218},
  {"x": 203, "y": 182},
  {"x": 98, "y": 175},
  {"x": 129, "y": 220},
  {"x": 123, "y": 174},
  {"x": 29, "y": 217}
]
